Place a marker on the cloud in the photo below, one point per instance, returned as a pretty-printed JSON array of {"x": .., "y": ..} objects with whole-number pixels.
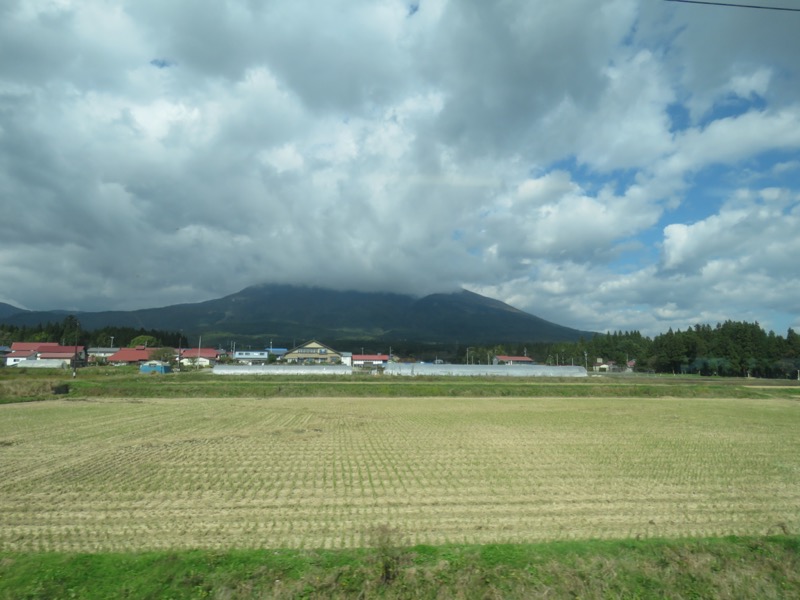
[
  {"x": 751, "y": 231},
  {"x": 630, "y": 127},
  {"x": 162, "y": 63},
  {"x": 154, "y": 153}
]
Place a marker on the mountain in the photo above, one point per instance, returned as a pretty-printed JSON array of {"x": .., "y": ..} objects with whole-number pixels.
[
  {"x": 6, "y": 310},
  {"x": 287, "y": 312}
]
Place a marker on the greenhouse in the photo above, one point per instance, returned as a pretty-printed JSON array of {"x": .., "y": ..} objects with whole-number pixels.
[
  {"x": 419, "y": 369},
  {"x": 282, "y": 370},
  {"x": 409, "y": 370}
]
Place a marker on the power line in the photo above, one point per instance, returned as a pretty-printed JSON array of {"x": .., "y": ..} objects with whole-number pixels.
[{"x": 737, "y": 5}]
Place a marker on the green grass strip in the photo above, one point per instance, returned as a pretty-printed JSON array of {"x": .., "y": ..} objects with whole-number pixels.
[{"x": 733, "y": 567}]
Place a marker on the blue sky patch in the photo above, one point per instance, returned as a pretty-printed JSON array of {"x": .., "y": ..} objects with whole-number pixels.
[
  {"x": 730, "y": 106},
  {"x": 592, "y": 181},
  {"x": 679, "y": 118}
]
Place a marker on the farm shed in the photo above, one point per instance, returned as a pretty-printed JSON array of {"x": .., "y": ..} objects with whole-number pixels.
[{"x": 155, "y": 366}]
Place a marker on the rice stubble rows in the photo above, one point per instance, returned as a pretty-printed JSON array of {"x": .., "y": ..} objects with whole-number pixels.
[{"x": 115, "y": 475}]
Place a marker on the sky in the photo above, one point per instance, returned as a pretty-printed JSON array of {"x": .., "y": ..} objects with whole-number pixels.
[{"x": 609, "y": 166}]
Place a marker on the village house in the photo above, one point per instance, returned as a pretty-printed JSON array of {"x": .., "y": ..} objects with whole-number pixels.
[
  {"x": 15, "y": 357},
  {"x": 198, "y": 357},
  {"x": 370, "y": 360},
  {"x": 75, "y": 355},
  {"x": 502, "y": 359},
  {"x": 25, "y": 351},
  {"x": 53, "y": 353},
  {"x": 131, "y": 356},
  {"x": 313, "y": 353},
  {"x": 604, "y": 366},
  {"x": 100, "y": 355},
  {"x": 610, "y": 366},
  {"x": 251, "y": 357}
]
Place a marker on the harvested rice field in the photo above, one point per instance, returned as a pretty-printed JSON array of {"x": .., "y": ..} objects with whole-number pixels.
[{"x": 144, "y": 474}]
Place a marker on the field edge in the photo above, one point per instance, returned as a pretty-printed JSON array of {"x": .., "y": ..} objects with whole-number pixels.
[{"x": 766, "y": 567}]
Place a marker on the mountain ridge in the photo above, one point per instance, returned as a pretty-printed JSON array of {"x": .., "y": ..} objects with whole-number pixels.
[{"x": 310, "y": 312}]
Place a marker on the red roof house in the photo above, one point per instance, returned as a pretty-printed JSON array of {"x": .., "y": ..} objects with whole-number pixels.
[
  {"x": 199, "y": 353},
  {"x": 360, "y": 360},
  {"x": 18, "y": 356},
  {"x": 199, "y": 356},
  {"x": 43, "y": 351},
  {"x": 57, "y": 351},
  {"x": 73, "y": 356},
  {"x": 513, "y": 360},
  {"x": 131, "y": 356},
  {"x": 31, "y": 346}
]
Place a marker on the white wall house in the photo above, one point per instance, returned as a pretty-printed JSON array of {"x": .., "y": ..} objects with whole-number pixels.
[
  {"x": 251, "y": 357},
  {"x": 370, "y": 360}
]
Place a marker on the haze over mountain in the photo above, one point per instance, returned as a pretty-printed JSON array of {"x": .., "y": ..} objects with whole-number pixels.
[{"x": 292, "y": 312}]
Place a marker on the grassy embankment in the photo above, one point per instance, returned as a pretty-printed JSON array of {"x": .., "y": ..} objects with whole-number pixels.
[
  {"x": 713, "y": 568},
  {"x": 124, "y": 382},
  {"x": 285, "y": 492}
]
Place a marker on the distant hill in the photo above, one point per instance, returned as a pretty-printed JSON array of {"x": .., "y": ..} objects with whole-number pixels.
[
  {"x": 6, "y": 310},
  {"x": 293, "y": 312}
]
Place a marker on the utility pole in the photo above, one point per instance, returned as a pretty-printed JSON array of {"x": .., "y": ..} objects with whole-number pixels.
[{"x": 75, "y": 357}]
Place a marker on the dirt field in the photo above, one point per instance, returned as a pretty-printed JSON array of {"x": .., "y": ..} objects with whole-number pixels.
[{"x": 121, "y": 475}]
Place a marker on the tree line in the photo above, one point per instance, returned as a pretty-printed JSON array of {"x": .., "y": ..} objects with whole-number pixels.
[
  {"x": 730, "y": 349},
  {"x": 69, "y": 333}
]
